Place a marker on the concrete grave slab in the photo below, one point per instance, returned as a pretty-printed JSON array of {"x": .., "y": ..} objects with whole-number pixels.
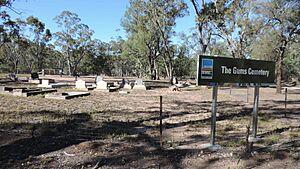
[
  {"x": 291, "y": 90},
  {"x": 6, "y": 89},
  {"x": 31, "y": 92},
  {"x": 49, "y": 83},
  {"x": 34, "y": 81},
  {"x": 58, "y": 85},
  {"x": 66, "y": 95}
]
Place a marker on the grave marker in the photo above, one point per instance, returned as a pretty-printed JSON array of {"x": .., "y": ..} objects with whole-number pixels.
[
  {"x": 98, "y": 79},
  {"x": 34, "y": 76},
  {"x": 102, "y": 85},
  {"x": 80, "y": 84},
  {"x": 139, "y": 85}
]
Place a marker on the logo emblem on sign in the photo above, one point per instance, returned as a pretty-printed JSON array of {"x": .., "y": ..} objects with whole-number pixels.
[{"x": 207, "y": 68}]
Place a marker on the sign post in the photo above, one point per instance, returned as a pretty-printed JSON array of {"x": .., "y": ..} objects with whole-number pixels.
[
  {"x": 218, "y": 70},
  {"x": 214, "y": 115},
  {"x": 255, "y": 111}
]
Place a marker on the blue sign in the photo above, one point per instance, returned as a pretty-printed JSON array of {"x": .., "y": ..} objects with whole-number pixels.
[{"x": 207, "y": 66}]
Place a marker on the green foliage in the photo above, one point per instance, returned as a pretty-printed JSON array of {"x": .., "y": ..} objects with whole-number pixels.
[
  {"x": 74, "y": 39},
  {"x": 149, "y": 25},
  {"x": 182, "y": 64},
  {"x": 291, "y": 63},
  {"x": 267, "y": 30},
  {"x": 8, "y": 27}
]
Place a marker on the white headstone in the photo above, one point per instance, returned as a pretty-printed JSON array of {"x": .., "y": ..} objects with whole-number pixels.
[
  {"x": 139, "y": 82},
  {"x": 45, "y": 82},
  {"x": 99, "y": 78},
  {"x": 174, "y": 80},
  {"x": 80, "y": 84},
  {"x": 127, "y": 86},
  {"x": 102, "y": 85},
  {"x": 139, "y": 85}
]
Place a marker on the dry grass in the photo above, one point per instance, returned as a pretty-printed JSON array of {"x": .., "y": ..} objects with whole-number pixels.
[{"x": 113, "y": 117}]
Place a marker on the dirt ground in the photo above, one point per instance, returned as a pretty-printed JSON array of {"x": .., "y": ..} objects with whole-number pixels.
[{"x": 117, "y": 130}]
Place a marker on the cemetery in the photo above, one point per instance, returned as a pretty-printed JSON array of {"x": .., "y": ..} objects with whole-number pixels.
[
  {"x": 74, "y": 125},
  {"x": 150, "y": 84}
]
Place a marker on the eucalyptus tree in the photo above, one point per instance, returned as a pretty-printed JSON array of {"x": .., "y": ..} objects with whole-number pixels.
[
  {"x": 12, "y": 54},
  {"x": 164, "y": 18},
  {"x": 151, "y": 23},
  {"x": 97, "y": 58},
  {"x": 204, "y": 16},
  {"x": 136, "y": 23},
  {"x": 183, "y": 65},
  {"x": 283, "y": 20},
  {"x": 9, "y": 27},
  {"x": 73, "y": 39},
  {"x": 133, "y": 54},
  {"x": 34, "y": 30},
  {"x": 237, "y": 25}
]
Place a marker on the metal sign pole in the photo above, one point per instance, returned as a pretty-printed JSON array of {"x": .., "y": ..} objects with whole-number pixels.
[
  {"x": 213, "y": 114},
  {"x": 198, "y": 67},
  {"x": 247, "y": 93},
  {"x": 160, "y": 122},
  {"x": 255, "y": 110}
]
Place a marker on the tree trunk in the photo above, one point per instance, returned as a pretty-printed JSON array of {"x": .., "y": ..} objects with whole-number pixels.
[
  {"x": 155, "y": 70},
  {"x": 166, "y": 67},
  {"x": 152, "y": 68},
  {"x": 279, "y": 66},
  {"x": 16, "y": 67},
  {"x": 278, "y": 76},
  {"x": 69, "y": 67}
]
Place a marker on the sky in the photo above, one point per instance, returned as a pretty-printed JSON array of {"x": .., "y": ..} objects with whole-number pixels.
[{"x": 102, "y": 16}]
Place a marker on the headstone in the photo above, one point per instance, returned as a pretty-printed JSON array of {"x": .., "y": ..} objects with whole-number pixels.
[
  {"x": 2, "y": 88},
  {"x": 45, "y": 82},
  {"x": 34, "y": 76},
  {"x": 174, "y": 80},
  {"x": 139, "y": 85},
  {"x": 12, "y": 76},
  {"x": 43, "y": 72},
  {"x": 61, "y": 72},
  {"x": 80, "y": 84},
  {"x": 123, "y": 82},
  {"x": 99, "y": 78},
  {"x": 139, "y": 82},
  {"x": 18, "y": 92},
  {"x": 102, "y": 85},
  {"x": 128, "y": 85}
]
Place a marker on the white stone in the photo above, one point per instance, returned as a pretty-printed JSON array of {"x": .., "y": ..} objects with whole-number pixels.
[
  {"x": 99, "y": 78},
  {"x": 45, "y": 82},
  {"x": 139, "y": 82},
  {"x": 102, "y": 85},
  {"x": 127, "y": 86},
  {"x": 80, "y": 84},
  {"x": 139, "y": 87}
]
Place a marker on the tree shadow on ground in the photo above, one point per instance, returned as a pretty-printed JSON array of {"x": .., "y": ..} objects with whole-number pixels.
[
  {"x": 76, "y": 128},
  {"x": 42, "y": 138}
]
